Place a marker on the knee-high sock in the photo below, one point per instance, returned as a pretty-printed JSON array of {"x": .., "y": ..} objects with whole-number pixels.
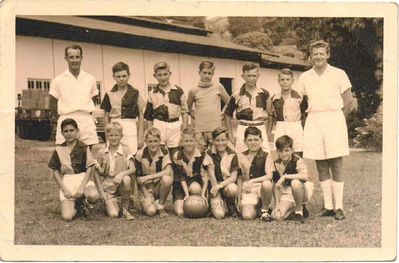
[
  {"x": 338, "y": 190},
  {"x": 327, "y": 194}
]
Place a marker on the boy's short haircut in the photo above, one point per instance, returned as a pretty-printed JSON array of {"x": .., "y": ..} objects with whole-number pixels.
[
  {"x": 74, "y": 46},
  {"x": 252, "y": 131},
  {"x": 286, "y": 71},
  {"x": 219, "y": 130},
  {"x": 120, "y": 66},
  {"x": 161, "y": 65},
  {"x": 69, "y": 121},
  {"x": 319, "y": 43},
  {"x": 113, "y": 126},
  {"x": 283, "y": 142},
  {"x": 206, "y": 64},
  {"x": 152, "y": 131},
  {"x": 188, "y": 131},
  {"x": 248, "y": 66}
]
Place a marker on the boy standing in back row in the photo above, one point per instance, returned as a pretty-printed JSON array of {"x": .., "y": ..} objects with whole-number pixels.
[
  {"x": 288, "y": 108},
  {"x": 206, "y": 99},
  {"x": 252, "y": 106},
  {"x": 165, "y": 104}
]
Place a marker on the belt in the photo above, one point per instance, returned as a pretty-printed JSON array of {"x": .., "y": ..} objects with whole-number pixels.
[
  {"x": 167, "y": 120},
  {"x": 251, "y": 124}
]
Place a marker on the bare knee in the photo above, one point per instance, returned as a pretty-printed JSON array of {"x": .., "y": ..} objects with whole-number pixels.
[
  {"x": 267, "y": 185},
  {"x": 113, "y": 213},
  {"x": 179, "y": 208},
  {"x": 91, "y": 194},
  {"x": 248, "y": 212},
  {"x": 68, "y": 215},
  {"x": 126, "y": 181},
  {"x": 195, "y": 188},
  {"x": 296, "y": 185},
  {"x": 149, "y": 209},
  {"x": 166, "y": 180},
  {"x": 218, "y": 213},
  {"x": 231, "y": 190}
]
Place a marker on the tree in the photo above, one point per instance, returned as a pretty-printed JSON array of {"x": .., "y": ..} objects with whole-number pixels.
[
  {"x": 256, "y": 40},
  {"x": 241, "y": 25}
]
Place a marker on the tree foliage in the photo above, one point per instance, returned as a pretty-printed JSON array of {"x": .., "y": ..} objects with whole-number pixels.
[{"x": 256, "y": 40}]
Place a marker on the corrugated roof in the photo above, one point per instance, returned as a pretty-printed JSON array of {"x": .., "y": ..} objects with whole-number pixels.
[{"x": 95, "y": 24}]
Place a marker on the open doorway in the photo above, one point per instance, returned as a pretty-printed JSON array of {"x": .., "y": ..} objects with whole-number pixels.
[{"x": 228, "y": 85}]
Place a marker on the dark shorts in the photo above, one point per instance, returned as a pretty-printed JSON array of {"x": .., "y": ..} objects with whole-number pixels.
[{"x": 177, "y": 189}]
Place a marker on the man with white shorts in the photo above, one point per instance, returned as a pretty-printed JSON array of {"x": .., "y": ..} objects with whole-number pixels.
[
  {"x": 165, "y": 104},
  {"x": 328, "y": 90},
  {"x": 71, "y": 96}
]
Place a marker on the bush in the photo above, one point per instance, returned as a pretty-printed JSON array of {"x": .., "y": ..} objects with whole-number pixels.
[{"x": 369, "y": 136}]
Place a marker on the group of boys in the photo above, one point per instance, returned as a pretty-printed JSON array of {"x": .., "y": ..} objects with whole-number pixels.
[{"x": 233, "y": 171}]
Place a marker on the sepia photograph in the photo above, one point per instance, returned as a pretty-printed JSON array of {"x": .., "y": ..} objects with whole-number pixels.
[{"x": 214, "y": 130}]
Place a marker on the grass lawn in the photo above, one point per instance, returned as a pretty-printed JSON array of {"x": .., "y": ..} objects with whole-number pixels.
[{"x": 38, "y": 221}]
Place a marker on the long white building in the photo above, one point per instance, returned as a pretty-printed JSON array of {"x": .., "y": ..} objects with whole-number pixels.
[{"x": 139, "y": 42}]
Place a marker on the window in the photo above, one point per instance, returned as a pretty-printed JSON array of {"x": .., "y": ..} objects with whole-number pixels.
[
  {"x": 43, "y": 84},
  {"x": 98, "y": 97}
]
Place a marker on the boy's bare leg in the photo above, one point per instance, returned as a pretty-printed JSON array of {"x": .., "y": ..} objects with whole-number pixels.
[
  {"x": 178, "y": 205},
  {"x": 92, "y": 195},
  {"x": 166, "y": 186},
  {"x": 266, "y": 193},
  {"x": 68, "y": 210},
  {"x": 217, "y": 207},
  {"x": 283, "y": 210},
  {"x": 298, "y": 194},
  {"x": 146, "y": 201},
  {"x": 112, "y": 208}
]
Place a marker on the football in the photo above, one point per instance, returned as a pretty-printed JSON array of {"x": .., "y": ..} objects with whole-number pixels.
[{"x": 195, "y": 207}]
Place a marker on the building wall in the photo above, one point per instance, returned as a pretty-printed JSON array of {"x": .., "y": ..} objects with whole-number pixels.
[{"x": 44, "y": 58}]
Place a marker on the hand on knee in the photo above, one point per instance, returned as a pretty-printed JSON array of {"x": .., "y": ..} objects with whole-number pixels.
[
  {"x": 267, "y": 185},
  {"x": 218, "y": 213}
]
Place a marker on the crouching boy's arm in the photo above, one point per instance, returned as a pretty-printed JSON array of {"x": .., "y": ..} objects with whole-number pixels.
[
  {"x": 185, "y": 188},
  {"x": 302, "y": 174},
  {"x": 167, "y": 172},
  {"x": 90, "y": 162},
  {"x": 129, "y": 172},
  {"x": 97, "y": 181}
]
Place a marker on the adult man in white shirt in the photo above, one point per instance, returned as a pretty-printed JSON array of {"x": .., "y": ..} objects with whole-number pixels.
[
  {"x": 71, "y": 96},
  {"x": 325, "y": 134}
]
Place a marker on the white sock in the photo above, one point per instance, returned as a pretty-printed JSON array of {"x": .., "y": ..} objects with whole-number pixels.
[
  {"x": 338, "y": 190},
  {"x": 327, "y": 194}
]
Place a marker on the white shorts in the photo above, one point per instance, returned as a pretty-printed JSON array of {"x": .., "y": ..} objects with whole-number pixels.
[
  {"x": 253, "y": 197},
  {"x": 86, "y": 125},
  {"x": 240, "y": 144},
  {"x": 129, "y": 138},
  {"x": 292, "y": 129},
  {"x": 170, "y": 132},
  {"x": 286, "y": 193},
  {"x": 72, "y": 183},
  {"x": 325, "y": 135}
]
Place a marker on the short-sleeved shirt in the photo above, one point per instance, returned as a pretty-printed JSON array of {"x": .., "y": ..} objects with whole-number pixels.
[
  {"x": 295, "y": 166},
  {"x": 207, "y": 102},
  {"x": 73, "y": 161},
  {"x": 324, "y": 91},
  {"x": 115, "y": 163},
  {"x": 74, "y": 94},
  {"x": 224, "y": 165},
  {"x": 123, "y": 104},
  {"x": 291, "y": 109},
  {"x": 145, "y": 165},
  {"x": 258, "y": 165},
  {"x": 165, "y": 105},
  {"x": 188, "y": 170},
  {"x": 247, "y": 107}
]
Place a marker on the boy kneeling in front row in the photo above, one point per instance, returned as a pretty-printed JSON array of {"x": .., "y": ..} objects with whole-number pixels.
[
  {"x": 154, "y": 174},
  {"x": 187, "y": 167},
  {"x": 254, "y": 184},
  {"x": 72, "y": 165},
  {"x": 292, "y": 188},
  {"x": 116, "y": 167}
]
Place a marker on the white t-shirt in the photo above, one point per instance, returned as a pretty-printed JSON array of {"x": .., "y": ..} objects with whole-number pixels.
[
  {"x": 324, "y": 91},
  {"x": 74, "y": 94}
]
